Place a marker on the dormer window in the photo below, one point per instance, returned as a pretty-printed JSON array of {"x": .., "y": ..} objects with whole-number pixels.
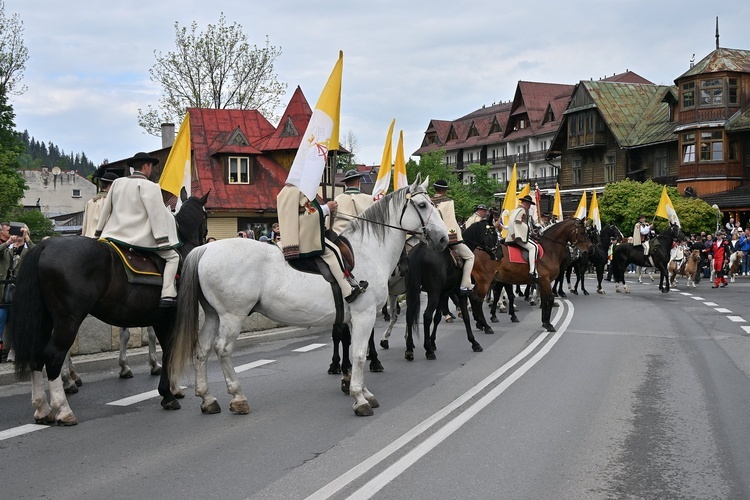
[{"x": 239, "y": 170}]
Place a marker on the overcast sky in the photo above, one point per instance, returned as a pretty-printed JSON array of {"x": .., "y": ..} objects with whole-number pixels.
[{"x": 87, "y": 72}]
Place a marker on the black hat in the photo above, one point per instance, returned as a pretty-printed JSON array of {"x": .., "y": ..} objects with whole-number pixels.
[
  {"x": 141, "y": 158},
  {"x": 527, "y": 198},
  {"x": 108, "y": 177},
  {"x": 440, "y": 184},
  {"x": 481, "y": 207},
  {"x": 351, "y": 174},
  {"x": 613, "y": 237}
]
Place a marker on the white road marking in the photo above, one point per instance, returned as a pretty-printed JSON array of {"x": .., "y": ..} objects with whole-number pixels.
[
  {"x": 378, "y": 482},
  {"x": 21, "y": 430},
  {"x": 736, "y": 319},
  {"x": 254, "y": 364},
  {"x": 710, "y": 304},
  {"x": 721, "y": 309},
  {"x": 686, "y": 294},
  {"x": 746, "y": 328},
  {"x": 309, "y": 348},
  {"x": 136, "y": 399},
  {"x": 697, "y": 298}
]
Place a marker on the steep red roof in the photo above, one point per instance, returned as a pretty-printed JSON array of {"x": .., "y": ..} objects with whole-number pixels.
[
  {"x": 533, "y": 99},
  {"x": 217, "y": 132},
  {"x": 291, "y": 126}
]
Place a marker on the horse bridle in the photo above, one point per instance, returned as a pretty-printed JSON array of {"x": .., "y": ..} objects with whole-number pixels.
[
  {"x": 409, "y": 202},
  {"x": 492, "y": 251},
  {"x": 573, "y": 232}
]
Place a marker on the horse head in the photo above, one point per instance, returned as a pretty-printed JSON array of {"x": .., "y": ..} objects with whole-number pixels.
[
  {"x": 482, "y": 234},
  {"x": 423, "y": 218},
  {"x": 579, "y": 236}
]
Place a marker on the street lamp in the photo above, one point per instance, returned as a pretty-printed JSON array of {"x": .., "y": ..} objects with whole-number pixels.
[{"x": 718, "y": 214}]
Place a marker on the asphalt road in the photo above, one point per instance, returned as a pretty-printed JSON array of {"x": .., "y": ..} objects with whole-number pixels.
[{"x": 635, "y": 396}]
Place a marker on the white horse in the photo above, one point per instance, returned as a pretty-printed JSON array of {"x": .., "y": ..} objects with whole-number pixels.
[
  {"x": 735, "y": 264},
  {"x": 235, "y": 277}
]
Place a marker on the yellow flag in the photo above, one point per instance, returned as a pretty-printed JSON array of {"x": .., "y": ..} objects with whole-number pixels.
[
  {"x": 525, "y": 191},
  {"x": 176, "y": 178},
  {"x": 386, "y": 163},
  {"x": 581, "y": 210},
  {"x": 510, "y": 201},
  {"x": 557, "y": 205},
  {"x": 321, "y": 136},
  {"x": 666, "y": 209},
  {"x": 594, "y": 212},
  {"x": 399, "y": 165}
]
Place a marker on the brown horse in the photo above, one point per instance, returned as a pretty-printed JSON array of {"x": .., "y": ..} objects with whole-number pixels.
[
  {"x": 554, "y": 241},
  {"x": 691, "y": 267}
]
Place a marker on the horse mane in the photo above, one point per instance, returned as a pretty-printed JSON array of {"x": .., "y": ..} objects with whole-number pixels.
[
  {"x": 374, "y": 218},
  {"x": 560, "y": 226}
]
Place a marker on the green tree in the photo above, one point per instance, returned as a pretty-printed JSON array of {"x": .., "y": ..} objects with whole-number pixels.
[
  {"x": 217, "y": 69},
  {"x": 623, "y": 202},
  {"x": 12, "y": 184},
  {"x": 39, "y": 225},
  {"x": 13, "y": 53}
]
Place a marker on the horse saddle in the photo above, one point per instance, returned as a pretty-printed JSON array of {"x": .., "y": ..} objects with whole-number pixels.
[
  {"x": 520, "y": 255},
  {"x": 141, "y": 268},
  {"x": 455, "y": 258}
]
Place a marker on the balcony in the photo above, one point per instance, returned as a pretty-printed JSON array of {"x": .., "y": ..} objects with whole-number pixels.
[
  {"x": 700, "y": 170},
  {"x": 587, "y": 140}
]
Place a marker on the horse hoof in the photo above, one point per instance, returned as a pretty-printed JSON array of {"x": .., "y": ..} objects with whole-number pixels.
[
  {"x": 345, "y": 386},
  {"x": 449, "y": 320},
  {"x": 488, "y": 331},
  {"x": 373, "y": 402},
  {"x": 549, "y": 327},
  {"x": 363, "y": 410},
  {"x": 574, "y": 292},
  {"x": 156, "y": 370},
  {"x": 430, "y": 355},
  {"x": 493, "y": 319},
  {"x": 171, "y": 404},
  {"x": 211, "y": 409},
  {"x": 384, "y": 344},
  {"x": 585, "y": 292},
  {"x": 78, "y": 381},
  {"x": 239, "y": 407},
  {"x": 48, "y": 419},
  {"x": 600, "y": 292},
  {"x": 68, "y": 420},
  {"x": 477, "y": 348},
  {"x": 409, "y": 356},
  {"x": 334, "y": 369},
  {"x": 514, "y": 319},
  {"x": 376, "y": 366},
  {"x": 665, "y": 290},
  {"x": 126, "y": 374},
  {"x": 71, "y": 389}
]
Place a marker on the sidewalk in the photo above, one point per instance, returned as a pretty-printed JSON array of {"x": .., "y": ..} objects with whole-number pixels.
[{"x": 139, "y": 355}]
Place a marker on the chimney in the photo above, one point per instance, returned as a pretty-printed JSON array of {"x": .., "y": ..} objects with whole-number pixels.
[{"x": 167, "y": 135}]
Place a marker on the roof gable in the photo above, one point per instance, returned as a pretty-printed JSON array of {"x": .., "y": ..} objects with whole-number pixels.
[
  {"x": 733, "y": 60},
  {"x": 292, "y": 125}
]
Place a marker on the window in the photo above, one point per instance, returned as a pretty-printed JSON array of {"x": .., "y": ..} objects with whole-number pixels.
[
  {"x": 688, "y": 95},
  {"x": 712, "y": 146},
  {"x": 732, "y": 92},
  {"x": 577, "y": 172},
  {"x": 589, "y": 121},
  {"x": 660, "y": 163},
  {"x": 688, "y": 148},
  {"x": 609, "y": 168},
  {"x": 711, "y": 92},
  {"x": 542, "y": 172},
  {"x": 76, "y": 193},
  {"x": 239, "y": 170},
  {"x": 733, "y": 151}
]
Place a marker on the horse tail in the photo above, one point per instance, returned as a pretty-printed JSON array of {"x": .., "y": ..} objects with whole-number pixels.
[
  {"x": 185, "y": 333},
  {"x": 414, "y": 286},
  {"x": 28, "y": 313}
]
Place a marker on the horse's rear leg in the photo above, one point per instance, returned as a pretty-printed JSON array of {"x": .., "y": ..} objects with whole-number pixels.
[
  {"x": 372, "y": 354},
  {"x": 125, "y": 371},
  {"x": 335, "y": 367},
  {"x": 71, "y": 380},
  {"x": 42, "y": 411},
  {"x": 59, "y": 403},
  {"x": 229, "y": 330},
  {"x": 511, "y": 304},
  {"x": 153, "y": 360},
  {"x": 206, "y": 337}
]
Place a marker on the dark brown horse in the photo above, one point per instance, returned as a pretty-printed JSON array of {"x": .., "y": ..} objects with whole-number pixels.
[
  {"x": 61, "y": 281},
  {"x": 553, "y": 240}
]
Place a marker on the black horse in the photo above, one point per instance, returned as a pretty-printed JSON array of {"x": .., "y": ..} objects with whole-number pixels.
[
  {"x": 436, "y": 274},
  {"x": 61, "y": 281},
  {"x": 598, "y": 257},
  {"x": 658, "y": 257}
]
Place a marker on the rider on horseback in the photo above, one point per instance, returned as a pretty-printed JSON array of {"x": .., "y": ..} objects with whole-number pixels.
[
  {"x": 134, "y": 214},
  {"x": 641, "y": 233},
  {"x": 447, "y": 211},
  {"x": 519, "y": 228}
]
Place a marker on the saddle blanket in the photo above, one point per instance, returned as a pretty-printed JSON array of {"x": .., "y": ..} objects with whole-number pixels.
[
  {"x": 519, "y": 255},
  {"x": 140, "y": 269}
]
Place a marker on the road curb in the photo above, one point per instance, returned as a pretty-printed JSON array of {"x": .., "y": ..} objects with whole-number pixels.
[{"x": 139, "y": 355}]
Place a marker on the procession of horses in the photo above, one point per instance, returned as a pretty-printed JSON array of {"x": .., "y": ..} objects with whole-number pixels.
[{"x": 52, "y": 301}]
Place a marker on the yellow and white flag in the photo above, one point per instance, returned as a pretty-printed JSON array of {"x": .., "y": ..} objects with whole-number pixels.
[
  {"x": 386, "y": 164},
  {"x": 510, "y": 202},
  {"x": 581, "y": 210},
  {"x": 594, "y": 212},
  {"x": 526, "y": 190},
  {"x": 399, "y": 165},
  {"x": 321, "y": 136},
  {"x": 666, "y": 209},
  {"x": 176, "y": 177},
  {"x": 557, "y": 204}
]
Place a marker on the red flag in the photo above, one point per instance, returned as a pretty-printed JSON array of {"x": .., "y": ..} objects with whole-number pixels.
[{"x": 538, "y": 196}]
